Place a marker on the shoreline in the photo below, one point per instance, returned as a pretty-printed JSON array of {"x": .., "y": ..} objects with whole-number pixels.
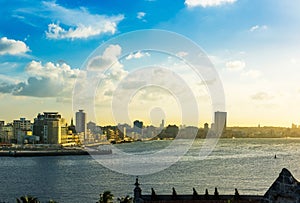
[
  {"x": 29, "y": 153},
  {"x": 17, "y": 152}
]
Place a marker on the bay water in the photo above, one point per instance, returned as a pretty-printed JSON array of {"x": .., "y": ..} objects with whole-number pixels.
[{"x": 246, "y": 164}]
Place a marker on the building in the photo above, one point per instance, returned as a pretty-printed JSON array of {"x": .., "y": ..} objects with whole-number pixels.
[
  {"x": 81, "y": 122},
  {"x": 285, "y": 189},
  {"x": 162, "y": 125},
  {"x": 47, "y": 127},
  {"x": 72, "y": 127},
  {"x": 21, "y": 129},
  {"x": 6, "y": 133},
  {"x": 220, "y": 122},
  {"x": 2, "y": 123},
  {"x": 68, "y": 137}
]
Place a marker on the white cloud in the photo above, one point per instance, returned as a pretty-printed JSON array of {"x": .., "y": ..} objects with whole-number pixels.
[
  {"x": 12, "y": 47},
  {"x": 106, "y": 68},
  {"x": 207, "y": 3},
  {"x": 137, "y": 55},
  {"x": 44, "y": 80},
  {"x": 235, "y": 65},
  {"x": 253, "y": 28},
  {"x": 59, "y": 72},
  {"x": 77, "y": 24},
  {"x": 258, "y": 27},
  {"x": 140, "y": 15},
  {"x": 109, "y": 57}
]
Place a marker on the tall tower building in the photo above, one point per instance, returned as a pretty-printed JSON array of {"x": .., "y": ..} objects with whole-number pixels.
[
  {"x": 81, "y": 122},
  {"x": 162, "y": 125},
  {"x": 220, "y": 122}
]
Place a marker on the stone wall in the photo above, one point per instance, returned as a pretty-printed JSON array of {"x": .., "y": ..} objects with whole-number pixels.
[{"x": 285, "y": 189}]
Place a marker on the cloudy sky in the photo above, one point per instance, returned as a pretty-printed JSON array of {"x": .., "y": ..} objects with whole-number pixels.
[{"x": 254, "y": 46}]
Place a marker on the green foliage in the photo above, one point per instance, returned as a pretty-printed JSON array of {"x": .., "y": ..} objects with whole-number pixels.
[
  {"x": 31, "y": 199},
  {"x": 52, "y": 201},
  {"x": 27, "y": 199},
  {"x": 106, "y": 197},
  {"x": 126, "y": 199}
]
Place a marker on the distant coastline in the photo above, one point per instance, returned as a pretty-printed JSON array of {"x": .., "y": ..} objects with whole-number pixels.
[
  {"x": 231, "y": 133},
  {"x": 61, "y": 152},
  {"x": 31, "y": 153}
]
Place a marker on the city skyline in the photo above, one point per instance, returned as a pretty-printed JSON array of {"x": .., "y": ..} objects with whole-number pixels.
[
  {"x": 81, "y": 121},
  {"x": 252, "y": 44},
  {"x": 219, "y": 117}
]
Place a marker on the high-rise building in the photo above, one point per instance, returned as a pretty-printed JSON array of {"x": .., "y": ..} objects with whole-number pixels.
[
  {"x": 6, "y": 133},
  {"x": 81, "y": 122},
  {"x": 162, "y": 125},
  {"x": 220, "y": 122},
  {"x": 21, "y": 128},
  {"x": 47, "y": 127},
  {"x": 2, "y": 123}
]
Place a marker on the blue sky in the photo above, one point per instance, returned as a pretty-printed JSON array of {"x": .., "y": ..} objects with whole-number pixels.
[{"x": 253, "y": 44}]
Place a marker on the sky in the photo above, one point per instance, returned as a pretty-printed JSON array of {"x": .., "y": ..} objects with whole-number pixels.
[{"x": 47, "y": 54}]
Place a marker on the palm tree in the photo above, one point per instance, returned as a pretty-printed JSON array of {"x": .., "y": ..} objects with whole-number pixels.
[
  {"x": 52, "y": 201},
  {"x": 106, "y": 197},
  {"x": 28, "y": 199},
  {"x": 126, "y": 199}
]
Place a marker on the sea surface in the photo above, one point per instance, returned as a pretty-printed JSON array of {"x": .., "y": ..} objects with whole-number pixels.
[{"x": 246, "y": 164}]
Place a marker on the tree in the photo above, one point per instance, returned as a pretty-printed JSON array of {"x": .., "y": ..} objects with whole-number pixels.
[
  {"x": 126, "y": 199},
  {"x": 52, "y": 201},
  {"x": 106, "y": 197},
  {"x": 27, "y": 199}
]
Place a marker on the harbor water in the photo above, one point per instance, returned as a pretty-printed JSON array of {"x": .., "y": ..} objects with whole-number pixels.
[{"x": 246, "y": 164}]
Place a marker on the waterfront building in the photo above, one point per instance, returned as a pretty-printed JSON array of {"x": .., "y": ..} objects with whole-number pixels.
[
  {"x": 220, "y": 121},
  {"x": 2, "y": 123},
  {"x": 187, "y": 132},
  {"x": 21, "y": 129},
  {"x": 91, "y": 126},
  {"x": 7, "y": 133},
  {"x": 162, "y": 125},
  {"x": 47, "y": 127},
  {"x": 72, "y": 126},
  {"x": 124, "y": 132},
  {"x": 68, "y": 138},
  {"x": 81, "y": 123},
  {"x": 150, "y": 132}
]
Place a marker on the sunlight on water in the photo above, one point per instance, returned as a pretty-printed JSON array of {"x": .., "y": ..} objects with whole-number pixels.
[{"x": 246, "y": 164}]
